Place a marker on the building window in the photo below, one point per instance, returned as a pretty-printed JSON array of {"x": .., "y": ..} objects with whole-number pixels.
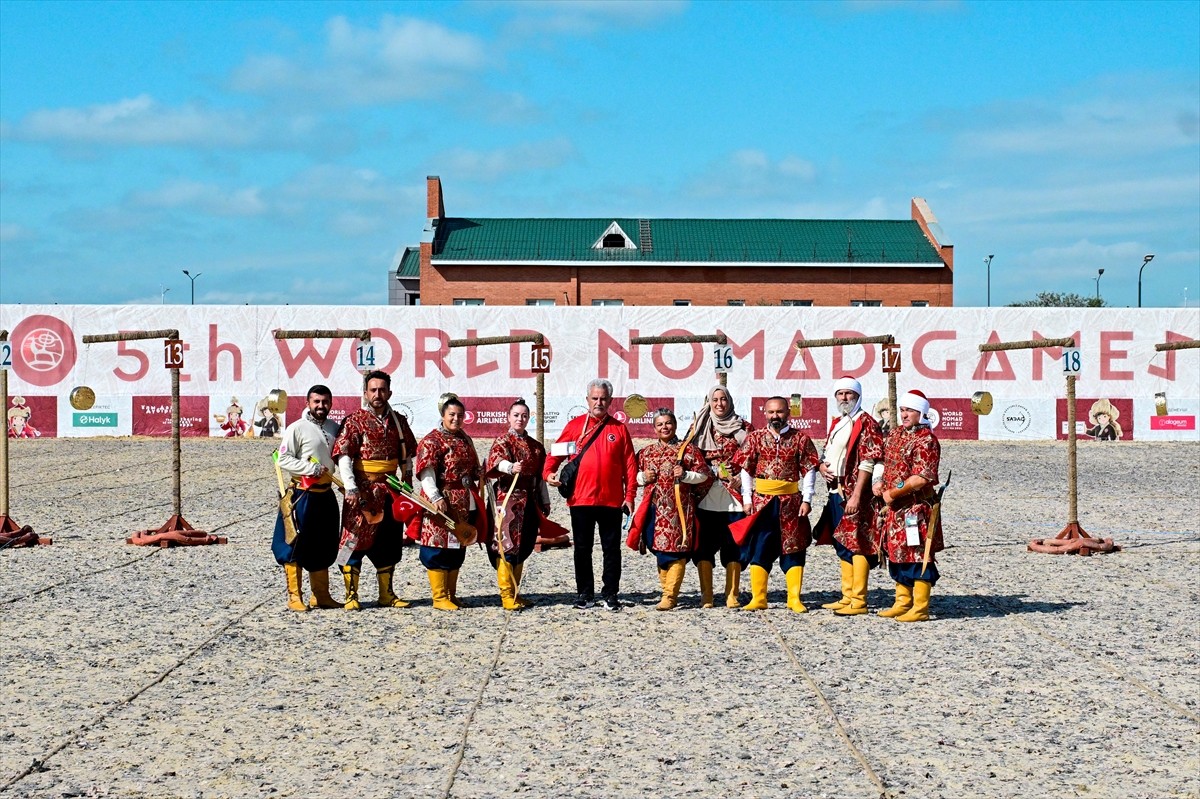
[
  {"x": 737, "y": 303},
  {"x": 470, "y": 301},
  {"x": 920, "y": 303},
  {"x": 539, "y": 302},
  {"x": 614, "y": 241},
  {"x": 797, "y": 303},
  {"x": 683, "y": 302},
  {"x": 608, "y": 302},
  {"x": 414, "y": 299},
  {"x": 866, "y": 303}
]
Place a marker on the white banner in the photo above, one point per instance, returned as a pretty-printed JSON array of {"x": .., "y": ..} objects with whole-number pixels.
[{"x": 231, "y": 361}]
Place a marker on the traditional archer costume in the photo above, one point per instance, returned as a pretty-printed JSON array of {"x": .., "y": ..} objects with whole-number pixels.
[
  {"x": 853, "y": 455},
  {"x": 368, "y": 449},
  {"x": 315, "y": 508},
  {"x": 448, "y": 468},
  {"x": 524, "y": 510},
  {"x": 903, "y": 527},
  {"x": 657, "y": 525},
  {"x": 779, "y": 476}
]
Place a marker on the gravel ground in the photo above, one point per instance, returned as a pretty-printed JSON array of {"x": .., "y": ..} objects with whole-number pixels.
[{"x": 140, "y": 672}]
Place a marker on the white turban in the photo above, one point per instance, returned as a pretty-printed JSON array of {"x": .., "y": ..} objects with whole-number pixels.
[
  {"x": 849, "y": 384},
  {"x": 916, "y": 401}
]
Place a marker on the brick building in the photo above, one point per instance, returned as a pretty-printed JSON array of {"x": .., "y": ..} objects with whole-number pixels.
[{"x": 625, "y": 261}]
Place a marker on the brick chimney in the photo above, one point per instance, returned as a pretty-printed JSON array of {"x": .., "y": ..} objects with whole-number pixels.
[{"x": 434, "y": 208}]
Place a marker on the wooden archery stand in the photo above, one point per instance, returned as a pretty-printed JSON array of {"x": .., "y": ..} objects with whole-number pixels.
[
  {"x": 1073, "y": 539},
  {"x": 1190, "y": 344},
  {"x": 540, "y": 364},
  {"x": 175, "y": 531},
  {"x": 718, "y": 338},
  {"x": 11, "y": 533},
  {"x": 888, "y": 343}
]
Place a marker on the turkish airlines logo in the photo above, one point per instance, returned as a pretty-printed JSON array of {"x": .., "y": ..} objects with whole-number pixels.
[{"x": 43, "y": 350}]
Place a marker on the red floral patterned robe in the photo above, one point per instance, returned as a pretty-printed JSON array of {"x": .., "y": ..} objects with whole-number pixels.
[
  {"x": 453, "y": 459},
  {"x": 857, "y": 534},
  {"x": 909, "y": 452},
  {"x": 364, "y": 436},
  {"x": 668, "y": 534},
  {"x": 529, "y": 452},
  {"x": 727, "y": 448},
  {"x": 788, "y": 458}
]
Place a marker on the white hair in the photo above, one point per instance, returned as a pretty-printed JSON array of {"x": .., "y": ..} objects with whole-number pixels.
[{"x": 600, "y": 382}]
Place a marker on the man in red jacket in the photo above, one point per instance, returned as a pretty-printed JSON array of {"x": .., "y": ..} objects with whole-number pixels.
[{"x": 605, "y": 486}]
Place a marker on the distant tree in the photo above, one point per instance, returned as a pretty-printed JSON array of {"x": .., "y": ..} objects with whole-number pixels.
[{"x": 1054, "y": 299}]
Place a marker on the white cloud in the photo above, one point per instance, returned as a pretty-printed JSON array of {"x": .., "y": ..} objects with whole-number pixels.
[
  {"x": 587, "y": 17},
  {"x": 488, "y": 165},
  {"x": 204, "y": 197},
  {"x": 12, "y": 232},
  {"x": 136, "y": 121},
  {"x": 400, "y": 60},
  {"x": 752, "y": 174},
  {"x": 351, "y": 185}
]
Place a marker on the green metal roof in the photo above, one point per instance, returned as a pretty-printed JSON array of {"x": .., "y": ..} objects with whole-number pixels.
[
  {"x": 410, "y": 263},
  {"x": 831, "y": 241}
]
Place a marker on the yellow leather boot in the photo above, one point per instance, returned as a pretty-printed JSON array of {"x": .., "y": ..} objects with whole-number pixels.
[
  {"x": 439, "y": 591},
  {"x": 759, "y": 578},
  {"x": 452, "y": 588},
  {"x": 318, "y": 581},
  {"x": 847, "y": 578},
  {"x": 733, "y": 585},
  {"x": 920, "y": 608},
  {"x": 517, "y": 570},
  {"x": 350, "y": 578},
  {"x": 295, "y": 601},
  {"x": 705, "y": 569},
  {"x": 386, "y": 598},
  {"x": 504, "y": 579},
  {"x": 904, "y": 601},
  {"x": 672, "y": 579},
  {"x": 861, "y": 570},
  {"x": 795, "y": 579}
]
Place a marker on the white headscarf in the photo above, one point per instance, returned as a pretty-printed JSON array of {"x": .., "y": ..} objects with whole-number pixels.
[
  {"x": 708, "y": 426},
  {"x": 843, "y": 384}
]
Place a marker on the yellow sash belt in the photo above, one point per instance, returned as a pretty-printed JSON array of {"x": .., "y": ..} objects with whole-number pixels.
[
  {"x": 771, "y": 488},
  {"x": 377, "y": 467}
]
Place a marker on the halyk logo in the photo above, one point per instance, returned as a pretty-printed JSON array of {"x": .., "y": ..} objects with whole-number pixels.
[
  {"x": 1016, "y": 419},
  {"x": 43, "y": 350}
]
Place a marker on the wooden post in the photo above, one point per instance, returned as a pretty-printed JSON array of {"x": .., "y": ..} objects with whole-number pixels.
[
  {"x": 1073, "y": 537},
  {"x": 718, "y": 338},
  {"x": 846, "y": 341},
  {"x": 11, "y": 533},
  {"x": 176, "y": 530},
  {"x": 539, "y": 392}
]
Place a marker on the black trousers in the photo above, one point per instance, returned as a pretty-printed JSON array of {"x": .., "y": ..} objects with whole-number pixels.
[{"x": 584, "y": 521}]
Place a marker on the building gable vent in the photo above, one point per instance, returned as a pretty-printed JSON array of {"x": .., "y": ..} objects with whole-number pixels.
[
  {"x": 614, "y": 238},
  {"x": 645, "y": 240}
]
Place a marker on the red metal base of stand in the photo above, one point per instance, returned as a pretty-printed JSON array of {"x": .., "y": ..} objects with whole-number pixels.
[
  {"x": 561, "y": 542},
  {"x": 1073, "y": 540},
  {"x": 175, "y": 533},
  {"x": 17, "y": 535}
]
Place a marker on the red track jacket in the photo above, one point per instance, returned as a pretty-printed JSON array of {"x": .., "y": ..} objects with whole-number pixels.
[{"x": 608, "y": 472}]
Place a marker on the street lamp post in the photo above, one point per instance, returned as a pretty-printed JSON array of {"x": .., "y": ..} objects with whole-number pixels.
[
  {"x": 1098, "y": 276},
  {"x": 988, "y": 261},
  {"x": 1145, "y": 260},
  {"x": 192, "y": 278}
]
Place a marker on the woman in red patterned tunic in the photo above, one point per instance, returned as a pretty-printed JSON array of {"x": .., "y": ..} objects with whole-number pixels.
[
  {"x": 661, "y": 468},
  {"x": 910, "y": 471},
  {"x": 719, "y": 433},
  {"x": 516, "y": 453},
  {"x": 448, "y": 469}
]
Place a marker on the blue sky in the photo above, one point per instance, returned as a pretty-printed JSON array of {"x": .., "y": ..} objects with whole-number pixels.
[{"x": 280, "y": 149}]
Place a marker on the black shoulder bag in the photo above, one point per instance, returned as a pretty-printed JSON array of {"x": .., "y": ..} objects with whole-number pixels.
[{"x": 570, "y": 469}]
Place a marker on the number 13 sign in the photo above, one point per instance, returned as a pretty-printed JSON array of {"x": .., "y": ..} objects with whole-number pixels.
[{"x": 173, "y": 353}]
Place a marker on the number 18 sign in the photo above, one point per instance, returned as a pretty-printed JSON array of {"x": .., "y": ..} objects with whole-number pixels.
[{"x": 1071, "y": 360}]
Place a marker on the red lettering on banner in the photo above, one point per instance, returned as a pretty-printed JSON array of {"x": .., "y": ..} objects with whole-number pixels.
[
  {"x": 1003, "y": 370},
  {"x": 656, "y": 357},
  {"x": 519, "y": 354},
  {"x": 1108, "y": 354},
  {"x": 1054, "y": 354},
  {"x": 756, "y": 344},
  {"x": 606, "y": 344},
  {"x": 950, "y": 370},
  {"x": 788, "y": 370},
  {"x": 377, "y": 334},
  {"x": 1167, "y": 372},
  {"x": 422, "y": 354},
  {"x": 185, "y": 376},
  {"x": 215, "y": 348},
  {"x": 839, "y": 365},
  {"x": 308, "y": 352},
  {"x": 124, "y": 350},
  {"x": 474, "y": 367}
]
